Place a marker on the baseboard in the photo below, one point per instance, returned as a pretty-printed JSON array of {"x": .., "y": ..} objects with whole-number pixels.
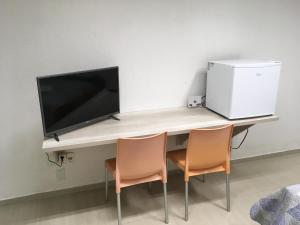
[
  {"x": 101, "y": 185},
  {"x": 50, "y": 194},
  {"x": 266, "y": 155}
]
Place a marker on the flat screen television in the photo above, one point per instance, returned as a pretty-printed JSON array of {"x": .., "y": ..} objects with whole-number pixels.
[{"x": 73, "y": 100}]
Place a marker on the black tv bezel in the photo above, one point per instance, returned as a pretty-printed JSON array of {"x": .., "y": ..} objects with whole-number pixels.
[{"x": 78, "y": 125}]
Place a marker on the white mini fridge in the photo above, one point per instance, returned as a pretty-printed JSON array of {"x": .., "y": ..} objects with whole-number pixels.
[{"x": 242, "y": 88}]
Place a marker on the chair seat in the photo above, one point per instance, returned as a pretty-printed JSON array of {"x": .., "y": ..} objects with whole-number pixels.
[{"x": 178, "y": 157}]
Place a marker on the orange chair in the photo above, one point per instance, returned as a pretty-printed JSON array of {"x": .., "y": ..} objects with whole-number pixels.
[
  {"x": 208, "y": 151},
  {"x": 139, "y": 160}
]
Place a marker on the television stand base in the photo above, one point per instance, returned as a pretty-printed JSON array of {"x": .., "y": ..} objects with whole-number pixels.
[
  {"x": 113, "y": 117},
  {"x": 55, "y": 136}
]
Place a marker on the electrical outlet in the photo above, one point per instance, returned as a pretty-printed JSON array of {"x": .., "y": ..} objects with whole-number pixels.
[
  {"x": 70, "y": 157},
  {"x": 61, "y": 157},
  {"x": 65, "y": 157}
]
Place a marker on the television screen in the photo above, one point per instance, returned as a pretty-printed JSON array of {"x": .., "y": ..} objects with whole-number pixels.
[{"x": 69, "y": 101}]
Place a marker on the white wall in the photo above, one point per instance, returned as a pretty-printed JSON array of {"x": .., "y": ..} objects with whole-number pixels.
[{"x": 162, "y": 49}]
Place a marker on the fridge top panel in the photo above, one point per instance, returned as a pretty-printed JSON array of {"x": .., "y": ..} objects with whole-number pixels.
[{"x": 242, "y": 63}]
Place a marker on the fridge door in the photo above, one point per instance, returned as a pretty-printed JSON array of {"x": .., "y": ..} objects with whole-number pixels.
[{"x": 254, "y": 91}]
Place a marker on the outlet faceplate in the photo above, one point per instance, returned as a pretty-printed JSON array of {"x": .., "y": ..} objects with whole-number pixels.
[
  {"x": 70, "y": 157},
  {"x": 65, "y": 157}
]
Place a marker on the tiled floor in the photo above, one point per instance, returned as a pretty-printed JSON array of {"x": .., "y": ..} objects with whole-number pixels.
[{"x": 250, "y": 180}]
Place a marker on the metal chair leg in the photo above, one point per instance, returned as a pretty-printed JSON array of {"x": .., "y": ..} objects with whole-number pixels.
[
  {"x": 228, "y": 192},
  {"x": 106, "y": 184},
  {"x": 186, "y": 200},
  {"x": 166, "y": 204},
  {"x": 203, "y": 178},
  {"x": 119, "y": 209},
  {"x": 167, "y": 165},
  {"x": 150, "y": 186}
]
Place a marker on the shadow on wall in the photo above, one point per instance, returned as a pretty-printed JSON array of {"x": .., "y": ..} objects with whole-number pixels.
[
  {"x": 198, "y": 84},
  {"x": 24, "y": 139}
]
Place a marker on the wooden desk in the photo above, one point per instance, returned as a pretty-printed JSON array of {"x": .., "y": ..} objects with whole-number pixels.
[{"x": 175, "y": 121}]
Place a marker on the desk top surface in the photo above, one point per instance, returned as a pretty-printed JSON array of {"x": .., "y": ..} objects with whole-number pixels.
[{"x": 174, "y": 121}]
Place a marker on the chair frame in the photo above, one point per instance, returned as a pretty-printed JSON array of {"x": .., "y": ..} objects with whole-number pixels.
[
  {"x": 227, "y": 174},
  {"x": 149, "y": 183}
]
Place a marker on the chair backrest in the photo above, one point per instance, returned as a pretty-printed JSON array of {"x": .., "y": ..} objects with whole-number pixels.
[
  {"x": 141, "y": 157},
  {"x": 208, "y": 148}
]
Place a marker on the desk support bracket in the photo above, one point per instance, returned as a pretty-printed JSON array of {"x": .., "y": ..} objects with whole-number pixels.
[{"x": 239, "y": 129}]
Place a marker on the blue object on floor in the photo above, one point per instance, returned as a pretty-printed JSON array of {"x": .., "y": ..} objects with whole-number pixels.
[{"x": 279, "y": 208}]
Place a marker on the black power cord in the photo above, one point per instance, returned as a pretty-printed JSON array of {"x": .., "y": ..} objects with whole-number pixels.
[
  {"x": 247, "y": 131},
  {"x": 55, "y": 163}
]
